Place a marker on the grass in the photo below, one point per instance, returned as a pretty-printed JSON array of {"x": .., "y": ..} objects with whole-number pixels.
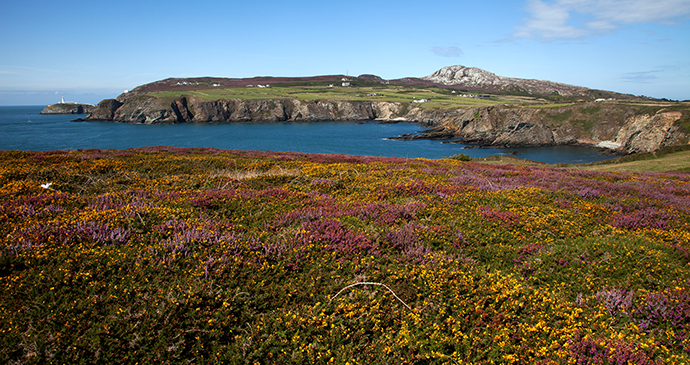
[
  {"x": 678, "y": 161},
  {"x": 190, "y": 255},
  {"x": 439, "y": 98},
  {"x": 668, "y": 159}
]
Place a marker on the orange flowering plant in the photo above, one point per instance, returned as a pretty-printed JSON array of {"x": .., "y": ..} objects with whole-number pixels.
[{"x": 212, "y": 256}]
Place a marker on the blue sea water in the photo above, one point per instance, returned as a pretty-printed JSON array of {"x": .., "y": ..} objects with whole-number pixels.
[{"x": 23, "y": 128}]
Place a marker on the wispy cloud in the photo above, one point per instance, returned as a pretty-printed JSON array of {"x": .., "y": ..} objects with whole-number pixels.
[
  {"x": 447, "y": 52},
  {"x": 568, "y": 19},
  {"x": 642, "y": 77}
]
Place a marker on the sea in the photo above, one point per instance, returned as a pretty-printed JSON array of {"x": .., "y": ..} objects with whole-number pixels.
[{"x": 24, "y": 128}]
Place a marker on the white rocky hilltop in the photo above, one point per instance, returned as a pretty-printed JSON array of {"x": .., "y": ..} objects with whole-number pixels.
[{"x": 474, "y": 77}]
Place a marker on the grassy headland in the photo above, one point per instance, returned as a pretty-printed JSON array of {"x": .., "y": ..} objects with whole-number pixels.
[
  {"x": 404, "y": 91},
  {"x": 206, "y": 256},
  {"x": 667, "y": 159},
  {"x": 402, "y": 94},
  {"x": 675, "y": 158}
]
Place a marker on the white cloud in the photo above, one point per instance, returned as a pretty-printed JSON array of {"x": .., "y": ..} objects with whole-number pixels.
[
  {"x": 557, "y": 19},
  {"x": 447, "y": 52}
]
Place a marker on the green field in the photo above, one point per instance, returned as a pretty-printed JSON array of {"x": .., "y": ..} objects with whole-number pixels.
[
  {"x": 675, "y": 158},
  {"x": 438, "y": 98},
  {"x": 678, "y": 161}
]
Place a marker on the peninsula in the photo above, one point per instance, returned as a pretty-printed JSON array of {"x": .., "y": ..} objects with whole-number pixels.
[{"x": 458, "y": 103}]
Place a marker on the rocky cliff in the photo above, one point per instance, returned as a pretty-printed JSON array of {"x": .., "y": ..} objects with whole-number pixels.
[
  {"x": 620, "y": 127},
  {"x": 151, "y": 110},
  {"x": 68, "y": 108}
]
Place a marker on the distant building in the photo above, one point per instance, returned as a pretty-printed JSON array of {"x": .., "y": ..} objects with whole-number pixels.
[
  {"x": 62, "y": 101},
  {"x": 346, "y": 84},
  {"x": 473, "y": 96},
  {"x": 420, "y": 101}
]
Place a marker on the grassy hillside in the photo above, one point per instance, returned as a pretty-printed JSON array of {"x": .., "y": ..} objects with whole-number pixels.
[
  {"x": 667, "y": 159},
  {"x": 674, "y": 158},
  {"x": 439, "y": 98},
  {"x": 173, "y": 255}
]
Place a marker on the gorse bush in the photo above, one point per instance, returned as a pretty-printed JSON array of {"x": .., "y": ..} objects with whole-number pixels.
[{"x": 167, "y": 255}]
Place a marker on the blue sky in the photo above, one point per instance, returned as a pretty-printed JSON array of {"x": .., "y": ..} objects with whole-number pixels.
[{"x": 90, "y": 50}]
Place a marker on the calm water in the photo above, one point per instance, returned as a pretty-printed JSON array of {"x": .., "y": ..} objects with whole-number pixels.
[{"x": 23, "y": 128}]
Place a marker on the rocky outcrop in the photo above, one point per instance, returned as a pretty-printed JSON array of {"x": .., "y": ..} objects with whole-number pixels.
[
  {"x": 472, "y": 77},
  {"x": 617, "y": 128},
  {"x": 647, "y": 133},
  {"x": 105, "y": 110},
  {"x": 622, "y": 128},
  {"x": 68, "y": 108}
]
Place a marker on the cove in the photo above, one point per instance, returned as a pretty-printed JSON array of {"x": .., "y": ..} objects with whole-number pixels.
[{"x": 23, "y": 128}]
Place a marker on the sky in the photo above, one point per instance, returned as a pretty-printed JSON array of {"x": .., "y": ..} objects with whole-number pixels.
[{"x": 86, "y": 51}]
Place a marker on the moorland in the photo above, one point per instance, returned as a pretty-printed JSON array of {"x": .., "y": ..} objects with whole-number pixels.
[{"x": 196, "y": 255}]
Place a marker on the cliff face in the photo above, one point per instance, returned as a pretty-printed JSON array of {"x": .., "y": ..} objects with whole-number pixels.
[
  {"x": 151, "y": 110},
  {"x": 619, "y": 128},
  {"x": 622, "y": 128},
  {"x": 68, "y": 108},
  {"x": 105, "y": 110},
  {"x": 646, "y": 133}
]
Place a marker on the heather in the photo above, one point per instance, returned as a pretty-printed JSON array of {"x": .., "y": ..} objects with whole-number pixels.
[{"x": 180, "y": 255}]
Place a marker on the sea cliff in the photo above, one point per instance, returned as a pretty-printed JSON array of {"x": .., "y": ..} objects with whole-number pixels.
[{"x": 619, "y": 127}]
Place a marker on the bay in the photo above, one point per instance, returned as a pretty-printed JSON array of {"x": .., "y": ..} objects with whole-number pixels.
[{"x": 24, "y": 128}]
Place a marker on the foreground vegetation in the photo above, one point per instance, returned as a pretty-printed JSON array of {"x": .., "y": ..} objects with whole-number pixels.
[{"x": 209, "y": 256}]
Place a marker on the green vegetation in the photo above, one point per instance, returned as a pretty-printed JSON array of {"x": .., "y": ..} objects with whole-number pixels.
[
  {"x": 667, "y": 159},
  {"x": 674, "y": 158},
  {"x": 204, "y": 256},
  {"x": 439, "y": 98}
]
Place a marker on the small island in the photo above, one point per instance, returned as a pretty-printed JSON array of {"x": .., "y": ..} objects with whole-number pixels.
[{"x": 68, "y": 107}]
